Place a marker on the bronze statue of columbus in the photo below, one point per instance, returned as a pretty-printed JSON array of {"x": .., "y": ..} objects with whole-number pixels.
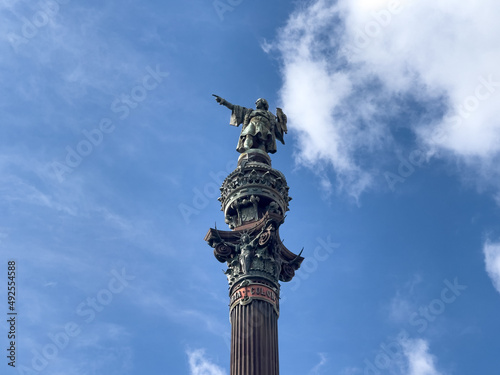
[{"x": 260, "y": 127}]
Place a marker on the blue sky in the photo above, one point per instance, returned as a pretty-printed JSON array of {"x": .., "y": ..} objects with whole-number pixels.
[{"x": 112, "y": 151}]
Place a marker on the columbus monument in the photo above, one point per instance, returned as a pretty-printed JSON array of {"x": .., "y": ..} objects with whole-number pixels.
[{"x": 254, "y": 199}]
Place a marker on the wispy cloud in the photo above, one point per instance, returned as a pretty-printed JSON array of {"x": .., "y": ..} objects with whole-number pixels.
[
  {"x": 155, "y": 302},
  {"x": 404, "y": 356},
  {"x": 491, "y": 252},
  {"x": 317, "y": 368},
  {"x": 402, "y": 305},
  {"x": 350, "y": 68},
  {"x": 199, "y": 364}
]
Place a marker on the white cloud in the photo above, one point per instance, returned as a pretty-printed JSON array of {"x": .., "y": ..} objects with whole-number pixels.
[
  {"x": 347, "y": 65},
  {"x": 492, "y": 259},
  {"x": 403, "y": 356},
  {"x": 200, "y": 365},
  {"x": 420, "y": 361},
  {"x": 413, "y": 358},
  {"x": 314, "y": 89}
]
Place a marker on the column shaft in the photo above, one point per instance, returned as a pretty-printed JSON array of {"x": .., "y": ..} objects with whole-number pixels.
[{"x": 254, "y": 339}]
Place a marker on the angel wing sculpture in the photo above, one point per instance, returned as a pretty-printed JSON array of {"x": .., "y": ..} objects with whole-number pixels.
[{"x": 281, "y": 125}]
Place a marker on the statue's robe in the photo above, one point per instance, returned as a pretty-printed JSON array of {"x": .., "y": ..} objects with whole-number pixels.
[{"x": 259, "y": 123}]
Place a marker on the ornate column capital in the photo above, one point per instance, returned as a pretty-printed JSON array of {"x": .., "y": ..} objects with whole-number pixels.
[{"x": 255, "y": 251}]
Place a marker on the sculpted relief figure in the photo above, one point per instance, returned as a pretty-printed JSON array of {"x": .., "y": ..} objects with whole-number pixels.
[{"x": 260, "y": 127}]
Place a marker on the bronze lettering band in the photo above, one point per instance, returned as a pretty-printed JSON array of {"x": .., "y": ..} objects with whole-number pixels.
[{"x": 246, "y": 294}]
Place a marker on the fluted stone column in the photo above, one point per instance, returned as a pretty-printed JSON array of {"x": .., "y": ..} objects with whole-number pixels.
[
  {"x": 254, "y": 339},
  {"x": 254, "y": 199}
]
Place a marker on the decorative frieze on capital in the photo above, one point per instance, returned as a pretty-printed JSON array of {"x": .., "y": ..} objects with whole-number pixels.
[{"x": 255, "y": 252}]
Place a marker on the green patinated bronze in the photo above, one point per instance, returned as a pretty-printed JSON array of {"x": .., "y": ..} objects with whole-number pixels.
[
  {"x": 254, "y": 199},
  {"x": 260, "y": 127}
]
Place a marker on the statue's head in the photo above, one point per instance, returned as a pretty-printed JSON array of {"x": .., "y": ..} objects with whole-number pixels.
[{"x": 262, "y": 104}]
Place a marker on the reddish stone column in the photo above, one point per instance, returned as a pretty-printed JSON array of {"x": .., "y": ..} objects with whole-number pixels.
[
  {"x": 254, "y": 199},
  {"x": 254, "y": 339}
]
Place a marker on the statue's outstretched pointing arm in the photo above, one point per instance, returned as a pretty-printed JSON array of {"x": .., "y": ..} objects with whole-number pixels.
[{"x": 223, "y": 102}]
